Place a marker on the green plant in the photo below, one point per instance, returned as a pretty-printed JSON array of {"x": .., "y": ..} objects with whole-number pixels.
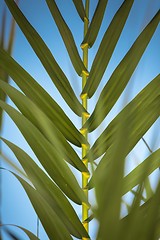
[{"x": 49, "y": 131}]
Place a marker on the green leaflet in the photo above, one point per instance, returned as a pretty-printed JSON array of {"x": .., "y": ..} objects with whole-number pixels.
[
  {"x": 48, "y": 156},
  {"x": 51, "y": 193},
  {"x": 52, "y": 224},
  {"x": 80, "y": 8},
  {"x": 109, "y": 185},
  {"x": 55, "y": 72},
  {"x": 135, "y": 177},
  {"x": 95, "y": 23},
  {"x": 148, "y": 214},
  {"x": 3, "y": 28},
  {"x": 27, "y": 232},
  {"x": 67, "y": 37},
  {"x": 136, "y": 126},
  {"x": 106, "y": 48},
  {"x": 3, "y": 75},
  {"x": 121, "y": 75},
  {"x": 139, "y": 114},
  {"x": 41, "y": 98},
  {"x": 45, "y": 126}
]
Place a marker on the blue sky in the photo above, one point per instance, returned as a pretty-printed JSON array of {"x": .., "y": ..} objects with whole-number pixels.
[{"x": 16, "y": 206}]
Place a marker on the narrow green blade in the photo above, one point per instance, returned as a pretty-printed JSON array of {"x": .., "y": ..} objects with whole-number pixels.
[
  {"x": 136, "y": 129},
  {"x": 27, "y": 232},
  {"x": 11, "y": 36},
  {"x": 55, "y": 72},
  {"x": 41, "y": 98},
  {"x": 80, "y": 8},
  {"x": 67, "y": 37},
  {"x": 45, "y": 126},
  {"x": 49, "y": 191},
  {"x": 3, "y": 75},
  {"x": 52, "y": 224},
  {"x": 3, "y": 29},
  {"x": 122, "y": 75},
  {"x": 106, "y": 48},
  {"x": 149, "y": 164},
  {"x": 48, "y": 156},
  {"x": 148, "y": 215},
  {"x": 95, "y": 23},
  {"x": 143, "y": 106},
  {"x": 109, "y": 185}
]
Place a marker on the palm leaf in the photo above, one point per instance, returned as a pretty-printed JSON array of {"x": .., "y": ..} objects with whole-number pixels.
[
  {"x": 11, "y": 234},
  {"x": 52, "y": 194},
  {"x": 147, "y": 214},
  {"x": 3, "y": 75},
  {"x": 106, "y": 48},
  {"x": 133, "y": 178},
  {"x": 95, "y": 24},
  {"x": 67, "y": 38},
  {"x": 41, "y": 98},
  {"x": 47, "y": 59},
  {"x": 80, "y": 8},
  {"x": 144, "y": 104},
  {"x": 109, "y": 206},
  {"x": 121, "y": 75},
  {"x": 136, "y": 130},
  {"x": 47, "y": 155},
  {"x": 53, "y": 225},
  {"x": 41, "y": 121}
]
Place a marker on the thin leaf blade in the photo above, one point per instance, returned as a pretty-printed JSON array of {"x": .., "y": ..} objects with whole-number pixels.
[
  {"x": 41, "y": 98},
  {"x": 50, "y": 159},
  {"x": 67, "y": 38},
  {"x": 95, "y": 24},
  {"x": 106, "y": 48},
  {"x": 51, "y": 193},
  {"x": 55, "y": 72},
  {"x": 80, "y": 8},
  {"x": 43, "y": 123},
  {"x": 122, "y": 74}
]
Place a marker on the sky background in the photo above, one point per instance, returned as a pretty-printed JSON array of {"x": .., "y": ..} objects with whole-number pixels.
[{"x": 16, "y": 208}]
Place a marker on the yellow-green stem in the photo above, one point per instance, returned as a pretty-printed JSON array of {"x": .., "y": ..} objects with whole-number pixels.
[{"x": 85, "y": 176}]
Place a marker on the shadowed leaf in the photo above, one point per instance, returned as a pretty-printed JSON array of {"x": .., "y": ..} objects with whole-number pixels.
[
  {"x": 47, "y": 155},
  {"x": 43, "y": 123},
  {"x": 144, "y": 104},
  {"x": 121, "y": 76},
  {"x": 95, "y": 23},
  {"x": 41, "y": 98},
  {"x": 55, "y": 72},
  {"x": 67, "y": 37},
  {"x": 106, "y": 48},
  {"x": 80, "y": 8},
  {"x": 51, "y": 193}
]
